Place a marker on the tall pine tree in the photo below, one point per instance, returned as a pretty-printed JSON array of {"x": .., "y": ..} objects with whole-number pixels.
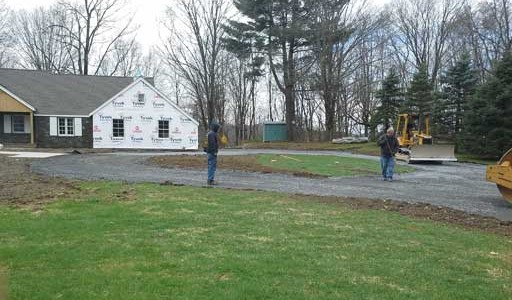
[
  {"x": 420, "y": 97},
  {"x": 488, "y": 116},
  {"x": 458, "y": 85},
  {"x": 284, "y": 24},
  {"x": 391, "y": 99}
]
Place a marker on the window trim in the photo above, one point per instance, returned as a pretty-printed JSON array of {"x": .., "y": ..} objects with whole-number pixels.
[
  {"x": 141, "y": 95},
  {"x": 67, "y": 126},
  {"x": 160, "y": 129},
  {"x": 13, "y": 131},
  {"x": 121, "y": 121}
]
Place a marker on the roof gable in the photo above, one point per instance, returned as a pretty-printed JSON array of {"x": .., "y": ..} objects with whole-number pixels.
[{"x": 154, "y": 89}]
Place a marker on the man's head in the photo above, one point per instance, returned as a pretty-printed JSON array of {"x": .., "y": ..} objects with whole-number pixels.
[
  {"x": 390, "y": 132},
  {"x": 215, "y": 126}
]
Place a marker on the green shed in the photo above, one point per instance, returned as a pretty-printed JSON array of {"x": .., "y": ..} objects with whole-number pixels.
[{"x": 274, "y": 132}]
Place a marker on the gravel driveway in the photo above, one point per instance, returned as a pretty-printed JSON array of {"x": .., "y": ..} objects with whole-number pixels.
[{"x": 455, "y": 185}]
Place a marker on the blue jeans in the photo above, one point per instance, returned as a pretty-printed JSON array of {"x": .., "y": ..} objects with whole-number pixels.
[
  {"x": 387, "y": 164},
  {"x": 212, "y": 166}
]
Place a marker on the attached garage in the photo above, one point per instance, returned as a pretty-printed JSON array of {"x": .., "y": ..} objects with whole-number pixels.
[{"x": 141, "y": 117}]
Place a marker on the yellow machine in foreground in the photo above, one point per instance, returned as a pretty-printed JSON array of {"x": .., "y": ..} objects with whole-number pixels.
[
  {"x": 501, "y": 174},
  {"x": 416, "y": 143}
]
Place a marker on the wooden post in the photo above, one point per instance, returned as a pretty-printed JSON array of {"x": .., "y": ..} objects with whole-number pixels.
[{"x": 32, "y": 128}]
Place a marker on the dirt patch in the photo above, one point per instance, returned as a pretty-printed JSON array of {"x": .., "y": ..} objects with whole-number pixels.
[
  {"x": 18, "y": 186},
  {"x": 422, "y": 211},
  {"x": 247, "y": 163}
]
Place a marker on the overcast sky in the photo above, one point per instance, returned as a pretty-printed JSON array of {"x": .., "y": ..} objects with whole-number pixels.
[{"x": 148, "y": 12}]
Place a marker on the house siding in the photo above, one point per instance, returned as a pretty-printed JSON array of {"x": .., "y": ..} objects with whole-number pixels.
[
  {"x": 44, "y": 140},
  {"x": 12, "y": 138}
]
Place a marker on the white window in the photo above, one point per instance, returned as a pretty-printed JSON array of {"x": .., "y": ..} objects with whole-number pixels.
[
  {"x": 66, "y": 126},
  {"x": 163, "y": 129},
  {"x": 118, "y": 128},
  {"x": 141, "y": 97},
  {"x": 18, "y": 123}
]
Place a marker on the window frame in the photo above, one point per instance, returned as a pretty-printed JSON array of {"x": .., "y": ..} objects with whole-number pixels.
[
  {"x": 141, "y": 98},
  {"x": 162, "y": 130},
  {"x": 68, "y": 126},
  {"x": 119, "y": 129},
  {"x": 13, "y": 117}
]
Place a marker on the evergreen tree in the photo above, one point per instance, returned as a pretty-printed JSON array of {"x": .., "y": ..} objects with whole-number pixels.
[
  {"x": 420, "y": 96},
  {"x": 488, "y": 117},
  {"x": 458, "y": 85},
  {"x": 284, "y": 24},
  {"x": 391, "y": 99}
]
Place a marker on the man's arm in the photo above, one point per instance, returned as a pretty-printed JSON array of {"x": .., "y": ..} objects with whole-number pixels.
[{"x": 381, "y": 140}]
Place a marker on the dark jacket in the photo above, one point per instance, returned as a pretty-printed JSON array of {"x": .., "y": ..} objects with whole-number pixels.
[
  {"x": 386, "y": 150},
  {"x": 213, "y": 139}
]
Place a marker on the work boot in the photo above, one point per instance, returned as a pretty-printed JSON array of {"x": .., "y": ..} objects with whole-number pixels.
[{"x": 212, "y": 182}]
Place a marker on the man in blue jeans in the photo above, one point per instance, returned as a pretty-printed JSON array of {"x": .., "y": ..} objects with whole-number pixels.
[
  {"x": 212, "y": 150},
  {"x": 388, "y": 148}
]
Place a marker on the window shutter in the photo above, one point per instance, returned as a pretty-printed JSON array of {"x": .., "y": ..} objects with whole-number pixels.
[
  {"x": 27, "y": 124},
  {"x": 53, "y": 126},
  {"x": 7, "y": 124},
  {"x": 78, "y": 126}
]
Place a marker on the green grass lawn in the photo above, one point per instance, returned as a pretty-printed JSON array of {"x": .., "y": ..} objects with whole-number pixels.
[
  {"x": 327, "y": 165},
  {"x": 159, "y": 242},
  {"x": 370, "y": 148}
]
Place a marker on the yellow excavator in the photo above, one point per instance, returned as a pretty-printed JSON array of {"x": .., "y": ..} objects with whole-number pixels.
[
  {"x": 501, "y": 174},
  {"x": 416, "y": 143}
]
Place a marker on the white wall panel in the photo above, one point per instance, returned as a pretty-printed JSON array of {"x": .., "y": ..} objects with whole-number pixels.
[{"x": 141, "y": 123}]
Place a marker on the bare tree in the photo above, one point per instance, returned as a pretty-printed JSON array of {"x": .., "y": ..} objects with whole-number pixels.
[
  {"x": 6, "y": 39},
  {"x": 421, "y": 31},
  {"x": 195, "y": 53},
  {"x": 38, "y": 42},
  {"x": 90, "y": 31}
]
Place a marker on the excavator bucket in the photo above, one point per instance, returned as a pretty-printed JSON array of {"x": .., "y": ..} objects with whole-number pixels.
[
  {"x": 501, "y": 174},
  {"x": 432, "y": 153}
]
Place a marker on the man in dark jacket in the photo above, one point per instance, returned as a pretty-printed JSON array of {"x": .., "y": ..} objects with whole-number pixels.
[
  {"x": 388, "y": 148},
  {"x": 212, "y": 150}
]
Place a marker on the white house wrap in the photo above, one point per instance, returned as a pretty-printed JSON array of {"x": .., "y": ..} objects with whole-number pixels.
[{"x": 140, "y": 117}]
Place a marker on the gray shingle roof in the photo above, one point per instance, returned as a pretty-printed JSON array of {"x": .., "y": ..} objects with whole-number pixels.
[{"x": 52, "y": 94}]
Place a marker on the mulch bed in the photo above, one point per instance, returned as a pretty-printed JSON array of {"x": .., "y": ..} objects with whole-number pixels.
[{"x": 246, "y": 163}]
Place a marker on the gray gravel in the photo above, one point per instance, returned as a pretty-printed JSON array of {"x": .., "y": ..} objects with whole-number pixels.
[{"x": 455, "y": 185}]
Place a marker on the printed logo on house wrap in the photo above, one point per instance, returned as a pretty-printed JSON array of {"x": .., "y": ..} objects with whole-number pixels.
[
  {"x": 162, "y": 118},
  {"x": 185, "y": 120},
  {"x": 158, "y": 104},
  {"x": 127, "y": 118},
  {"x": 118, "y": 103},
  {"x": 176, "y": 140},
  {"x": 137, "y": 139},
  {"x": 98, "y": 139},
  {"x": 146, "y": 119},
  {"x": 105, "y": 119},
  {"x": 156, "y": 140},
  {"x": 137, "y": 129},
  {"x": 139, "y": 102},
  {"x": 194, "y": 132},
  {"x": 117, "y": 140},
  {"x": 96, "y": 128},
  {"x": 193, "y": 140},
  {"x": 176, "y": 130}
]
